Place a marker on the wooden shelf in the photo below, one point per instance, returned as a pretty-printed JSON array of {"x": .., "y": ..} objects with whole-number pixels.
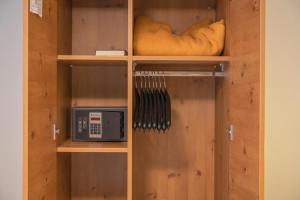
[
  {"x": 94, "y": 60},
  {"x": 205, "y": 60},
  {"x": 92, "y": 147},
  {"x": 90, "y": 59}
]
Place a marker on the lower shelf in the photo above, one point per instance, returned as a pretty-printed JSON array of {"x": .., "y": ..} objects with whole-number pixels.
[{"x": 92, "y": 147}]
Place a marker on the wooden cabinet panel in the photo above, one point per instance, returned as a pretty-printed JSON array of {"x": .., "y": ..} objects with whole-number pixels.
[
  {"x": 41, "y": 75},
  {"x": 244, "y": 98},
  {"x": 194, "y": 159}
]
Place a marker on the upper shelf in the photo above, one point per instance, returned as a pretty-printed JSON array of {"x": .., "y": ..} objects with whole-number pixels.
[
  {"x": 205, "y": 60},
  {"x": 91, "y": 59},
  {"x": 95, "y": 60}
]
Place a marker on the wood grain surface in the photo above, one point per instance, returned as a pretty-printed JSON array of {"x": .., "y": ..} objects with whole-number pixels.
[
  {"x": 244, "y": 99},
  {"x": 179, "y": 164},
  {"x": 191, "y": 161},
  {"x": 42, "y": 105}
]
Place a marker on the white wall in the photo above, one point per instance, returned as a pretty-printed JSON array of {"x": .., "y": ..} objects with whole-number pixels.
[
  {"x": 10, "y": 99},
  {"x": 282, "y": 100}
]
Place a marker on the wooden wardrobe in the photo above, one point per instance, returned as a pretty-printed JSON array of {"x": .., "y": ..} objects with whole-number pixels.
[{"x": 214, "y": 149}]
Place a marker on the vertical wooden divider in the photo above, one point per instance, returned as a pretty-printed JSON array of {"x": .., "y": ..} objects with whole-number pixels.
[
  {"x": 262, "y": 100},
  {"x": 129, "y": 102}
]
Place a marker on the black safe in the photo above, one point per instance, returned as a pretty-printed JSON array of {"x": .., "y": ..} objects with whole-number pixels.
[{"x": 99, "y": 124}]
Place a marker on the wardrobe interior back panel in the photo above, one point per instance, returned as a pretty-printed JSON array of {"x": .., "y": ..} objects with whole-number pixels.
[
  {"x": 99, "y": 25},
  {"x": 180, "y": 14},
  {"x": 99, "y": 176},
  {"x": 99, "y": 86},
  {"x": 179, "y": 164}
]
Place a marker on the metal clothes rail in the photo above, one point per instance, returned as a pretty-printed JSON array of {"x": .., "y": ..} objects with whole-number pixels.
[{"x": 179, "y": 73}]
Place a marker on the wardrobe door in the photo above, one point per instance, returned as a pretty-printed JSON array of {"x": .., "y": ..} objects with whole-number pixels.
[
  {"x": 245, "y": 98},
  {"x": 40, "y": 101}
]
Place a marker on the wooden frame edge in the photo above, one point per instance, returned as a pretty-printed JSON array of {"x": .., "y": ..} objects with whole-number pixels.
[
  {"x": 129, "y": 101},
  {"x": 262, "y": 101},
  {"x": 25, "y": 100}
]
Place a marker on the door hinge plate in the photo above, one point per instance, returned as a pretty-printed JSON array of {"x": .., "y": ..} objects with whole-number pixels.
[{"x": 56, "y": 131}]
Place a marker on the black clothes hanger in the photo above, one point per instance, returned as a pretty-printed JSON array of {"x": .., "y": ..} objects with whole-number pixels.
[
  {"x": 159, "y": 107},
  {"x": 162, "y": 108},
  {"x": 141, "y": 106},
  {"x": 136, "y": 105},
  {"x": 154, "y": 106},
  {"x": 146, "y": 105},
  {"x": 168, "y": 105},
  {"x": 152, "y": 103}
]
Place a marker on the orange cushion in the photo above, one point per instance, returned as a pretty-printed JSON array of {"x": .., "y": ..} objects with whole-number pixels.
[{"x": 153, "y": 38}]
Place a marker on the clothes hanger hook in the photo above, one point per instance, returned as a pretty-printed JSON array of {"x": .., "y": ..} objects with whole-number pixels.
[
  {"x": 156, "y": 82},
  {"x": 146, "y": 78},
  {"x": 143, "y": 76},
  {"x": 153, "y": 81},
  {"x": 165, "y": 85},
  {"x": 141, "y": 79},
  {"x": 160, "y": 79},
  {"x": 149, "y": 80}
]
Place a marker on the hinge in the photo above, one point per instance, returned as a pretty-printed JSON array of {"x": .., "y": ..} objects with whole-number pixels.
[
  {"x": 56, "y": 131},
  {"x": 229, "y": 132}
]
